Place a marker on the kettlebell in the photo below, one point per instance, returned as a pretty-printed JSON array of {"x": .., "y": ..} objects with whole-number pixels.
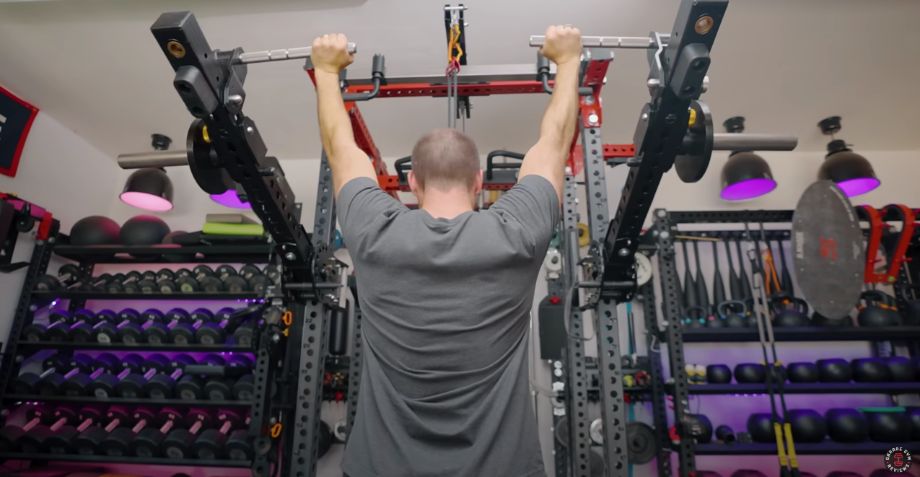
[
  {"x": 870, "y": 370},
  {"x": 913, "y": 415},
  {"x": 807, "y": 425},
  {"x": 718, "y": 374},
  {"x": 760, "y": 427},
  {"x": 734, "y": 313},
  {"x": 877, "y": 309},
  {"x": 900, "y": 368},
  {"x": 725, "y": 434},
  {"x": 802, "y": 372},
  {"x": 846, "y": 425},
  {"x": 789, "y": 311},
  {"x": 699, "y": 427},
  {"x": 695, "y": 317},
  {"x": 888, "y": 426},
  {"x": 750, "y": 373},
  {"x": 834, "y": 370}
]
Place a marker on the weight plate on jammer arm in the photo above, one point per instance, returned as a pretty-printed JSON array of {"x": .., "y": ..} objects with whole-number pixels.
[
  {"x": 202, "y": 160},
  {"x": 696, "y": 149},
  {"x": 828, "y": 250}
]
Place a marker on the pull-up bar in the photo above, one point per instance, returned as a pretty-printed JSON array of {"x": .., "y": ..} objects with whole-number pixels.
[
  {"x": 283, "y": 54},
  {"x": 631, "y": 42}
]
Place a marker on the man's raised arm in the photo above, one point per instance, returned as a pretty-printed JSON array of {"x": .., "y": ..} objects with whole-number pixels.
[
  {"x": 330, "y": 56},
  {"x": 548, "y": 156}
]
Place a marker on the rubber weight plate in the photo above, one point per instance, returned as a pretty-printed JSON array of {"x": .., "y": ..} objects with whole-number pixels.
[{"x": 642, "y": 445}]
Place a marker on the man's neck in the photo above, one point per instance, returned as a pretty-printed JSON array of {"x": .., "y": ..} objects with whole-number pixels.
[{"x": 448, "y": 204}]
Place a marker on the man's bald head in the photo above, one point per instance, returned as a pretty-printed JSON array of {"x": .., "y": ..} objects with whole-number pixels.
[{"x": 444, "y": 159}]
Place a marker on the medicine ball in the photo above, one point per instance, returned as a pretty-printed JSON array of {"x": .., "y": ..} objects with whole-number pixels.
[
  {"x": 843, "y": 473},
  {"x": 900, "y": 368},
  {"x": 834, "y": 370},
  {"x": 699, "y": 427},
  {"x": 718, "y": 374},
  {"x": 760, "y": 428},
  {"x": 143, "y": 230},
  {"x": 913, "y": 415},
  {"x": 750, "y": 373},
  {"x": 807, "y": 425},
  {"x": 748, "y": 473},
  {"x": 802, "y": 372},
  {"x": 725, "y": 434},
  {"x": 870, "y": 370},
  {"x": 95, "y": 230},
  {"x": 888, "y": 426},
  {"x": 846, "y": 425}
]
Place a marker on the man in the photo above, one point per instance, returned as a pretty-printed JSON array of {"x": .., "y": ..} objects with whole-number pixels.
[{"x": 446, "y": 290}]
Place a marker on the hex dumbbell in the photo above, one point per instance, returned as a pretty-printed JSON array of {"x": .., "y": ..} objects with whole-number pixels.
[
  {"x": 90, "y": 440},
  {"x": 68, "y": 276},
  {"x": 211, "y": 443},
  {"x": 178, "y": 443},
  {"x": 10, "y": 435},
  {"x": 144, "y": 439}
]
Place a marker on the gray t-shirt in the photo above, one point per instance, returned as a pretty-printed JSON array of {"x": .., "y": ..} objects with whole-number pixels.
[{"x": 446, "y": 304}]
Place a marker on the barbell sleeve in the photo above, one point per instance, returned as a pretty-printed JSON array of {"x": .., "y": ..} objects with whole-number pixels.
[
  {"x": 140, "y": 160},
  {"x": 753, "y": 142},
  {"x": 283, "y": 54}
]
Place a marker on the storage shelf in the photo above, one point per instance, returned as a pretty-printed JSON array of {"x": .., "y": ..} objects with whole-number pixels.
[
  {"x": 811, "y": 333},
  {"x": 93, "y": 295},
  {"x": 823, "y": 448},
  {"x": 124, "y": 401},
  {"x": 250, "y": 253},
  {"x": 133, "y": 347},
  {"x": 124, "y": 460},
  {"x": 809, "y": 388}
]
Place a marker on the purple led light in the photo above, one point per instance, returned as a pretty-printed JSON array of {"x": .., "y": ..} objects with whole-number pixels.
[
  {"x": 229, "y": 199},
  {"x": 748, "y": 189},
  {"x": 143, "y": 200},
  {"x": 858, "y": 186}
]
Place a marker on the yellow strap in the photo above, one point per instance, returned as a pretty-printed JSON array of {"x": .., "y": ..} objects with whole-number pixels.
[
  {"x": 780, "y": 448},
  {"x": 454, "y": 44},
  {"x": 793, "y": 460}
]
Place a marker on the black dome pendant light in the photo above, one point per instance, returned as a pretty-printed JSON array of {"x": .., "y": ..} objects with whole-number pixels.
[
  {"x": 746, "y": 175},
  {"x": 850, "y": 171},
  {"x": 150, "y": 188}
]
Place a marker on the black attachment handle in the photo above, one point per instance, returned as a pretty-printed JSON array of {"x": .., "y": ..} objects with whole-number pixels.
[
  {"x": 402, "y": 165},
  {"x": 378, "y": 73},
  {"x": 543, "y": 76},
  {"x": 490, "y": 164}
]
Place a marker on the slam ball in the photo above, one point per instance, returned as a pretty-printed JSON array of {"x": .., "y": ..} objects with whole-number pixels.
[
  {"x": 95, "y": 230},
  {"x": 143, "y": 230}
]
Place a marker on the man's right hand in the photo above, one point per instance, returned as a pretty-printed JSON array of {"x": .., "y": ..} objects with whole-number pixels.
[
  {"x": 330, "y": 53},
  {"x": 562, "y": 45}
]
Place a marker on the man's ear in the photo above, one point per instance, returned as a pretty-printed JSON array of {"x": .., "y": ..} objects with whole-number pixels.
[
  {"x": 414, "y": 186},
  {"x": 477, "y": 184}
]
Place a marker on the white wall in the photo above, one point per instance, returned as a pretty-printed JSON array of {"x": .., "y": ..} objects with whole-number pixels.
[{"x": 63, "y": 173}]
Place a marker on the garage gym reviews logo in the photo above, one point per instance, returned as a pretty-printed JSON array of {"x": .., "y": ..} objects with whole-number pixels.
[{"x": 897, "y": 459}]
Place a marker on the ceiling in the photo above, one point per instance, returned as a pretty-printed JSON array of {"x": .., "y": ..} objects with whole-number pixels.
[{"x": 784, "y": 64}]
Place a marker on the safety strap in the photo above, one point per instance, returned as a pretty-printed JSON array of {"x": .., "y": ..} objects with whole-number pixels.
[
  {"x": 454, "y": 53},
  {"x": 876, "y": 228}
]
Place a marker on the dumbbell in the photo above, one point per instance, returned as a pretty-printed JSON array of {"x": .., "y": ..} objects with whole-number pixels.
[
  {"x": 213, "y": 443},
  {"x": 157, "y": 331},
  {"x": 144, "y": 440},
  {"x": 10, "y": 435},
  {"x": 58, "y": 322},
  {"x": 34, "y": 439},
  {"x": 190, "y": 386},
  {"x": 90, "y": 439},
  {"x": 232, "y": 281},
  {"x": 106, "y": 385},
  {"x": 61, "y": 441},
  {"x": 178, "y": 443},
  {"x": 50, "y": 382},
  {"x": 202, "y": 279},
  {"x": 166, "y": 281},
  {"x": 257, "y": 280},
  {"x": 68, "y": 276},
  {"x": 210, "y": 333},
  {"x": 83, "y": 384},
  {"x": 163, "y": 385},
  {"x": 128, "y": 285}
]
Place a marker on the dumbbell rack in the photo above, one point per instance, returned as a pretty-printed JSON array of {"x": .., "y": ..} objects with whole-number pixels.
[
  {"x": 259, "y": 407},
  {"x": 665, "y": 227}
]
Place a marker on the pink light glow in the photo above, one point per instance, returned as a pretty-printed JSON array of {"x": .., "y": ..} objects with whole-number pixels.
[
  {"x": 145, "y": 201},
  {"x": 230, "y": 199}
]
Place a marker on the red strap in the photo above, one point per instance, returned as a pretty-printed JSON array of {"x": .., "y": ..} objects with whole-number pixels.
[
  {"x": 875, "y": 240},
  {"x": 907, "y": 233}
]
